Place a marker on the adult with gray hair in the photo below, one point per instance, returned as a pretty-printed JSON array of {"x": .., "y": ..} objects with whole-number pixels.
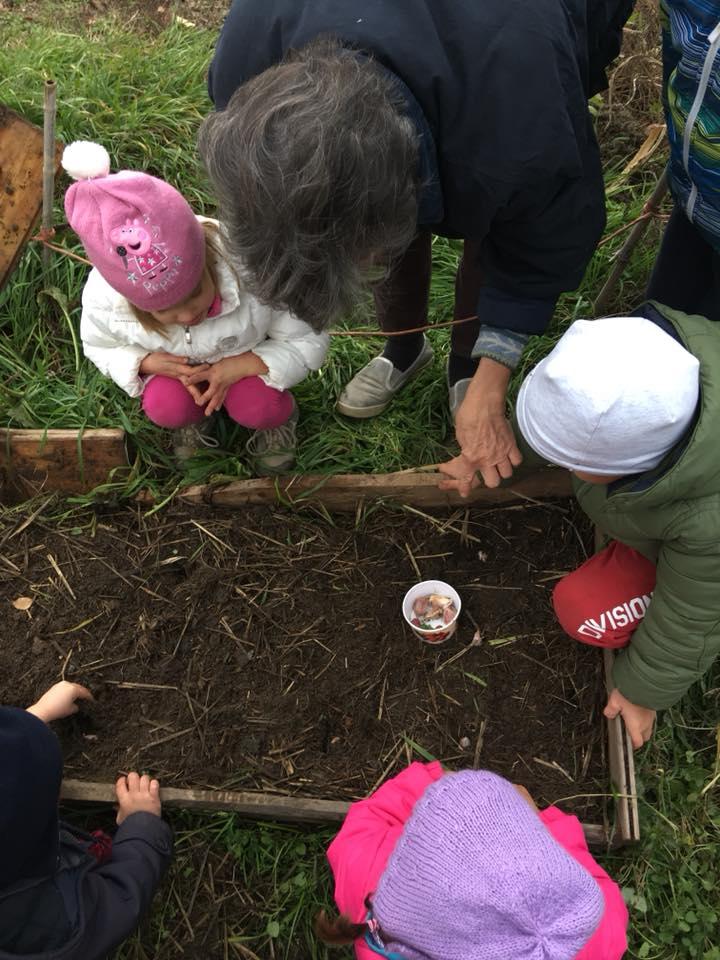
[{"x": 346, "y": 135}]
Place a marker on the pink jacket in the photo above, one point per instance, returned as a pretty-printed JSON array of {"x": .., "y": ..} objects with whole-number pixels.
[{"x": 359, "y": 853}]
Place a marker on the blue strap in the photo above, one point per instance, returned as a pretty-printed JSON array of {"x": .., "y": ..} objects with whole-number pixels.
[{"x": 374, "y": 942}]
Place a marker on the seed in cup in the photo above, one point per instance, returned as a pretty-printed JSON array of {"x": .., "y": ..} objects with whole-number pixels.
[{"x": 432, "y": 611}]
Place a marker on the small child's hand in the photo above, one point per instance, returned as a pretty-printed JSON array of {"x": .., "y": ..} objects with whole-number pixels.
[
  {"x": 59, "y": 701},
  {"x": 168, "y": 365},
  {"x": 639, "y": 721},
  {"x": 220, "y": 377},
  {"x": 137, "y": 794},
  {"x": 525, "y": 794}
]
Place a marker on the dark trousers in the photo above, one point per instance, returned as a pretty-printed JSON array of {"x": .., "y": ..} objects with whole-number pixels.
[
  {"x": 686, "y": 275},
  {"x": 401, "y": 301}
]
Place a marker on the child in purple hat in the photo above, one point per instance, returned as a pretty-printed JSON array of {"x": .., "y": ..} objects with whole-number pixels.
[
  {"x": 462, "y": 866},
  {"x": 165, "y": 314}
]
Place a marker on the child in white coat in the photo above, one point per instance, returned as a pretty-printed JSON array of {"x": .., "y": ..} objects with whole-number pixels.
[{"x": 166, "y": 317}]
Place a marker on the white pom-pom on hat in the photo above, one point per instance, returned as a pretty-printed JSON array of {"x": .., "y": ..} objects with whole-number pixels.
[{"x": 85, "y": 160}]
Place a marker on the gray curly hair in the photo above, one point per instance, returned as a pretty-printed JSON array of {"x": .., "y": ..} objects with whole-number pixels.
[{"x": 314, "y": 167}]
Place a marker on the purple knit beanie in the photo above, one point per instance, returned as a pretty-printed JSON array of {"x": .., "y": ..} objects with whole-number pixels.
[
  {"x": 138, "y": 231},
  {"x": 477, "y": 876}
]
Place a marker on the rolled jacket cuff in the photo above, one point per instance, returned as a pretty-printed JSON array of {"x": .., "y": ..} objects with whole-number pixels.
[
  {"x": 507, "y": 311},
  {"x": 504, "y": 346}
]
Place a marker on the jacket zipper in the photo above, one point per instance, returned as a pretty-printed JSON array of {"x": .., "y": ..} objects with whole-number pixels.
[
  {"x": 188, "y": 336},
  {"x": 714, "y": 41}
]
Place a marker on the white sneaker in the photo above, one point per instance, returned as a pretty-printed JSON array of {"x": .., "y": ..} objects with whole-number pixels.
[
  {"x": 371, "y": 390},
  {"x": 187, "y": 441},
  {"x": 273, "y": 451}
]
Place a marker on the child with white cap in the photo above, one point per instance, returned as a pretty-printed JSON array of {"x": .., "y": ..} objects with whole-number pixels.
[
  {"x": 167, "y": 318},
  {"x": 442, "y": 866},
  {"x": 631, "y": 406}
]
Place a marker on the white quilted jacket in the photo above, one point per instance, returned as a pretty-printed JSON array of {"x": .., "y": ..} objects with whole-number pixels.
[{"x": 117, "y": 343}]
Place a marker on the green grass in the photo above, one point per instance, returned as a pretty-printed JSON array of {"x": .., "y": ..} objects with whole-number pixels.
[
  {"x": 143, "y": 98},
  {"x": 671, "y": 878}
]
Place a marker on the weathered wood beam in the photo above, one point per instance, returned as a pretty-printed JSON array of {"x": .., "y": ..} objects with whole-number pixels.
[
  {"x": 66, "y": 461},
  {"x": 256, "y": 806},
  {"x": 345, "y": 491},
  {"x": 264, "y": 806}
]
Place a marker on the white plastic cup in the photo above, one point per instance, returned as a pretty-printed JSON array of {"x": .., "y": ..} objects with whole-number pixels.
[{"x": 439, "y": 634}]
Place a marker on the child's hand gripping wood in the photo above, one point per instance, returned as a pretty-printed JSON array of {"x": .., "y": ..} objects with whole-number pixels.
[
  {"x": 136, "y": 794},
  {"x": 639, "y": 721}
]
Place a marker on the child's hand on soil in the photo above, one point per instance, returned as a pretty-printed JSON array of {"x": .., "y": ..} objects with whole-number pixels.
[
  {"x": 220, "y": 376},
  {"x": 137, "y": 794},
  {"x": 639, "y": 721},
  {"x": 168, "y": 365},
  {"x": 59, "y": 701}
]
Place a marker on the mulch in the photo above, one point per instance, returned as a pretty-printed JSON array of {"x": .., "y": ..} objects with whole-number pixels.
[{"x": 265, "y": 650}]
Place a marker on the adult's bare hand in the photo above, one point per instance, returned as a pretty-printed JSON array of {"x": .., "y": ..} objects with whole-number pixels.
[{"x": 487, "y": 443}]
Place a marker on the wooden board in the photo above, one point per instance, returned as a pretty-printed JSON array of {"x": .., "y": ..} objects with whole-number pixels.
[
  {"x": 265, "y": 806},
  {"x": 344, "y": 492},
  {"x": 621, "y": 757},
  {"x": 21, "y": 176},
  {"x": 622, "y": 770},
  {"x": 65, "y": 461},
  {"x": 260, "y": 806}
]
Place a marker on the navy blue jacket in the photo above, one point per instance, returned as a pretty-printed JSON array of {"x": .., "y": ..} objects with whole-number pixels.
[
  {"x": 502, "y": 86},
  {"x": 84, "y": 910}
]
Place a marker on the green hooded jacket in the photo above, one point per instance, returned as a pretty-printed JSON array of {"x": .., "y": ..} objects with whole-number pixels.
[{"x": 671, "y": 515}]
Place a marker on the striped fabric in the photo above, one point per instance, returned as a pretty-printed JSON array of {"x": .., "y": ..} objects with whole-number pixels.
[{"x": 691, "y": 96}]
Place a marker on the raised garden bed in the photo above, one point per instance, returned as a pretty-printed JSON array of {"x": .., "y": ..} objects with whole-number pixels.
[{"x": 264, "y": 650}]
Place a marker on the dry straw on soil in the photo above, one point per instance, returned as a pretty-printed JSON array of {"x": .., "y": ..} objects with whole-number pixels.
[{"x": 632, "y": 100}]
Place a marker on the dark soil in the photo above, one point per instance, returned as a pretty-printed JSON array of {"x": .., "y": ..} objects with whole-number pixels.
[
  {"x": 147, "y": 17},
  {"x": 266, "y": 650}
]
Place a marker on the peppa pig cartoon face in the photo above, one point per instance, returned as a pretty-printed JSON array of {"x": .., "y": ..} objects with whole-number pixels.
[
  {"x": 132, "y": 239},
  {"x": 143, "y": 254}
]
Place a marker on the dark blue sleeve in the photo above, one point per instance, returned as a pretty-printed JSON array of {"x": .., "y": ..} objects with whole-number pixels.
[
  {"x": 509, "y": 311},
  {"x": 250, "y": 41},
  {"x": 538, "y": 244},
  {"x": 116, "y": 895}
]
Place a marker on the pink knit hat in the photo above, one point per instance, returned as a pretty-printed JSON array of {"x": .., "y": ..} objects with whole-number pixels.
[{"x": 138, "y": 231}]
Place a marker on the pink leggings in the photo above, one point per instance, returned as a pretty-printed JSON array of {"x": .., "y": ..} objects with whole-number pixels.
[{"x": 250, "y": 402}]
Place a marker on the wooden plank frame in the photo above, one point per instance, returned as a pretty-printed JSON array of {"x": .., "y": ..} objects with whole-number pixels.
[
  {"x": 622, "y": 772},
  {"x": 54, "y": 460},
  {"x": 254, "y": 806},
  {"x": 346, "y": 491},
  {"x": 299, "y": 809},
  {"x": 62, "y": 461}
]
